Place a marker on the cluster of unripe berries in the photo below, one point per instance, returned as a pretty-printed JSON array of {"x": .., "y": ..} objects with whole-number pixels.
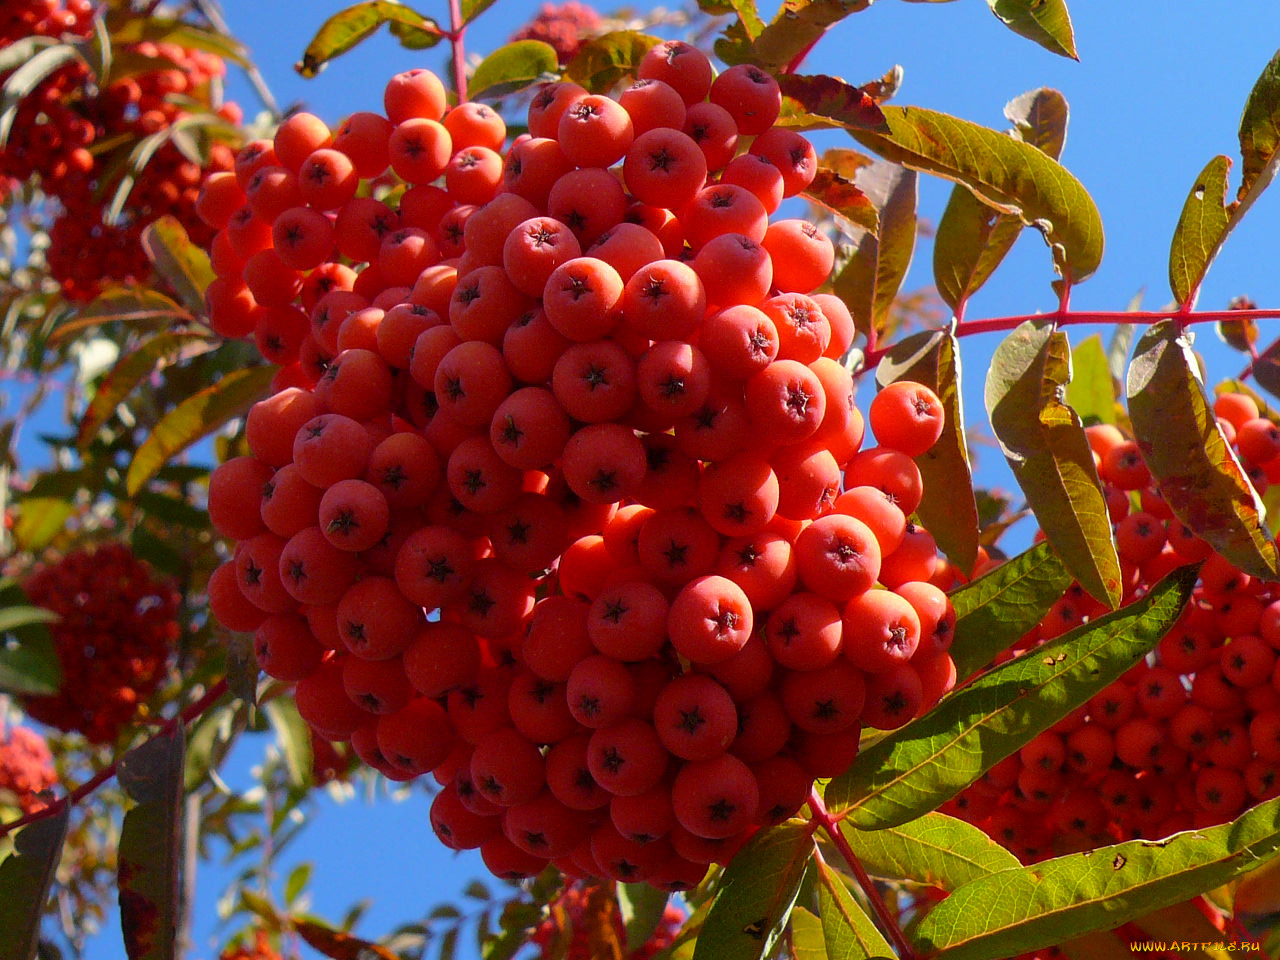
[
  {"x": 1191, "y": 735},
  {"x": 562, "y": 495},
  {"x": 60, "y": 126},
  {"x": 575, "y": 905},
  {"x": 26, "y": 769},
  {"x": 117, "y": 627}
]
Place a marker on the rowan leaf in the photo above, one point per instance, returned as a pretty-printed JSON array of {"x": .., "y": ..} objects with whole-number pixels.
[
  {"x": 336, "y": 944},
  {"x": 1201, "y": 229},
  {"x": 513, "y": 67},
  {"x": 178, "y": 261},
  {"x": 1198, "y": 473},
  {"x": 641, "y": 907},
  {"x": 848, "y": 932},
  {"x": 1047, "y": 22},
  {"x": 130, "y": 370},
  {"x": 602, "y": 61},
  {"x": 26, "y": 877},
  {"x": 798, "y": 25},
  {"x": 834, "y": 100},
  {"x": 39, "y": 520},
  {"x": 842, "y": 197},
  {"x": 348, "y": 28},
  {"x": 917, "y": 767},
  {"x": 29, "y": 663},
  {"x": 24, "y": 80},
  {"x": 1045, "y": 444},
  {"x": 948, "y": 509},
  {"x": 1092, "y": 391},
  {"x": 1260, "y": 134},
  {"x": 934, "y": 849}
]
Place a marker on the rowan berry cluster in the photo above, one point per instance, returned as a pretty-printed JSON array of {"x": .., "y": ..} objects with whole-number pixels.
[
  {"x": 575, "y": 905},
  {"x": 1191, "y": 735},
  {"x": 565, "y": 26},
  {"x": 59, "y": 127},
  {"x": 116, "y": 630},
  {"x": 596, "y": 418},
  {"x": 26, "y": 769}
]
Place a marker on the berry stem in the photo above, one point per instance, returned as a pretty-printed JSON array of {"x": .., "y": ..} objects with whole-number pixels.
[
  {"x": 823, "y": 818},
  {"x": 211, "y": 696},
  {"x": 457, "y": 41}
]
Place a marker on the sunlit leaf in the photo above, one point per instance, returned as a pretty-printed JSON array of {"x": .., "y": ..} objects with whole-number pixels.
[
  {"x": 513, "y": 67},
  {"x": 182, "y": 264},
  {"x": 39, "y": 520},
  {"x": 1196, "y": 469},
  {"x": 1260, "y": 133},
  {"x": 1045, "y": 444},
  {"x": 347, "y": 28},
  {"x": 834, "y": 100},
  {"x": 26, "y": 876},
  {"x": 847, "y": 931},
  {"x": 1092, "y": 390},
  {"x": 151, "y": 847},
  {"x": 807, "y": 940},
  {"x": 1044, "y": 21},
  {"x": 602, "y": 61},
  {"x": 935, "y": 849},
  {"x": 798, "y": 25},
  {"x": 948, "y": 508},
  {"x": 920, "y": 766},
  {"x": 1201, "y": 229},
  {"x": 195, "y": 418}
]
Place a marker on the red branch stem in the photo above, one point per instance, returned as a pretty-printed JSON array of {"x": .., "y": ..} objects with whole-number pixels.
[
  {"x": 456, "y": 35},
  {"x": 211, "y": 696},
  {"x": 890, "y": 925}
]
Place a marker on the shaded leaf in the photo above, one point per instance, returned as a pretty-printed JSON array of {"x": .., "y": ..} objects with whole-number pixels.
[
  {"x": 834, "y": 100},
  {"x": 128, "y": 28},
  {"x": 151, "y": 847},
  {"x": 195, "y": 418},
  {"x": 29, "y": 663},
  {"x": 1022, "y": 910},
  {"x": 130, "y": 370},
  {"x": 1196, "y": 469},
  {"x": 971, "y": 241},
  {"x": 798, "y": 25},
  {"x": 1044, "y": 21},
  {"x": 1040, "y": 118},
  {"x": 513, "y": 67},
  {"x": 349, "y": 27},
  {"x": 137, "y": 305},
  {"x": 602, "y": 61},
  {"x": 338, "y": 945},
  {"x": 918, "y": 767},
  {"x": 1045, "y": 444},
  {"x": 948, "y": 509},
  {"x": 26, "y": 876},
  {"x": 23, "y": 81},
  {"x": 294, "y": 737},
  {"x": 1092, "y": 390},
  {"x": 1260, "y": 134},
  {"x": 893, "y": 190},
  {"x": 641, "y": 907},
  {"x": 757, "y": 891},
  {"x": 935, "y": 849},
  {"x": 178, "y": 261},
  {"x": 993, "y": 611},
  {"x": 1013, "y": 177},
  {"x": 1201, "y": 230},
  {"x": 1239, "y": 335},
  {"x": 847, "y": 931}
]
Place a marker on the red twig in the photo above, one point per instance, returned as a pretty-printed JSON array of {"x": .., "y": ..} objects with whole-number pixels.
[
  {"x": 799, "y": 58},
  {"x": 456, "y": 35},
  {"x": 887, "y": 921},
  {"x": 212, "y": 696}
]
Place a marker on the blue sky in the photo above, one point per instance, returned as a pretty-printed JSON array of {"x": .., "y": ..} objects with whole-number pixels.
[{"x": 1157, "y": 94}]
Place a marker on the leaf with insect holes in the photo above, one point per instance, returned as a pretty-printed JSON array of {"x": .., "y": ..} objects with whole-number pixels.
[
  {"x": 1201, "y": 229},
  {"x": 1023, "y": 910},
  {"x": 1045, "y": 444},
  {"x": 948, "y": 509},
  {"x": 26, "y": 877},
  {"x": 921, "y": 765},
  {"x": 348, "y": 28},
  {"x": 1047, "y": 22},
  {"x": 757, "y": 891},
  {"x": 513, "y": 67},
  {"x": 1198, "y": 473}
]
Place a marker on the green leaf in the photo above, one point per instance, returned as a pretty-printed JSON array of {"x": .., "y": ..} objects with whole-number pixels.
[
  {"x": 1092, "y": 391},
  {"x": 934, "y": 849},
  {"x": 749, "y": 17},
  {"x": 195, "y": 418},
  {"x": 151, "y": 847},
  {"x": 1013, "y": 177},
  {"x": 40, "y": 519},
  {"x": 349, "y": 27},
  {"x": 473, "y": 8},
  {"x": 641, "y": 907},
  {"x": 25, "y": 79},
  {"x": 798, "y": 25},
  {"x": 1022, "y": 910},
  {"x": 807, "y": 941},
  {"x": 1196, "y": 469},
  {"x": 296, "y": 882},
  {"x": 834, "y": 100},
  {"x": 948, "y": 509},
  {"x": 130, "y": 370},
  {"x": 1260, "y": 134},
  {"x": 513, "y": 67},
  {"x": 1044, "y": 21},
  {"x": 602, "y": 61},
  {"x": 294, "y": 738},
  {"x": 923, "y": 764},
  {"x": 1045, "y": 444},
  {"x": 848, "y": 932},
  {"x": 1201, "y": 230},
  {"x": 26, "y": 876},
  {"x": 129, "y": 28},
  {"x": 178, "y": 261},
  {"x": 29, "y": 663},
  {"x": 757, "y": 892}
]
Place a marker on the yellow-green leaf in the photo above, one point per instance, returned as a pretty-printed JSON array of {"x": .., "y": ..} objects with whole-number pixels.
[
  {"x": 40, "y": 519},
  {"x": 918, "y": 767},
  {"x": 1045, "y": 444},
  {"x": 1007, "y": 174},
  {"x": 26, "y": 876},
  {"x": 1201, "y": 230},
  {"x": 807, "y": 942},
  {"x": 848, "y": 932},
  {"x": 1044, "y": 21},
  {"x": 798, "y": 25},
  {"x": 349, "y": 27},
  {"x": 935, "y": 849},
  {"x": 602, "y": 61},
  {"x": 513, "y": 67},
  {"x": 129, "y": 371},
  {"x": 183, "y": 265},
  {"x": 1197, "y": 471},
  {"x": 1260, "y": 133},
  {"x": 195, "y": 418},
  {"x": 1092, "y": 390},
  {"x": 641, "y": 907},
  {"x": 948, "y": 509}
]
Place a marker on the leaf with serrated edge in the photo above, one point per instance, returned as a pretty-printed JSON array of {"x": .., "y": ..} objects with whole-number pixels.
[
  {"x": 195, "y": 418},
  {"x": 1200, "y": 231},
  {"x": 179, "y": 261},
  {"x": 641, "y": 907},
  {"x": 847, "y": 931},
  {"x": 1196, "y": 469},
  {"x": 1260, "y": 133},
  {"x": 1092, "y": 390},
  {"x": 602, "y": 61},
  {"x": 1012, "y": 176},
  {"x": 1045, "y": 444},
  {"x": 1022, "y": 910},
  {"x": 26, "y": 876},
  {"x": 513, "y": 67},
  {"x": 799, "y": 25},
  {"x": 935, "y": 849},
  {"x": 1044, "y": 21},
  {"x": 129, "y": 371},
  {"x": 151, "y": 847},
  {"x": 347, "y": 28},
  {"x": 757, "y": 892},
  {"x": 948, "y": 508},
  {"x": 922, "y": 765}
]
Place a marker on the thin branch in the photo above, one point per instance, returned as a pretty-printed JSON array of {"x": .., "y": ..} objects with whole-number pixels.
[{"x": 457, "y": 33}]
